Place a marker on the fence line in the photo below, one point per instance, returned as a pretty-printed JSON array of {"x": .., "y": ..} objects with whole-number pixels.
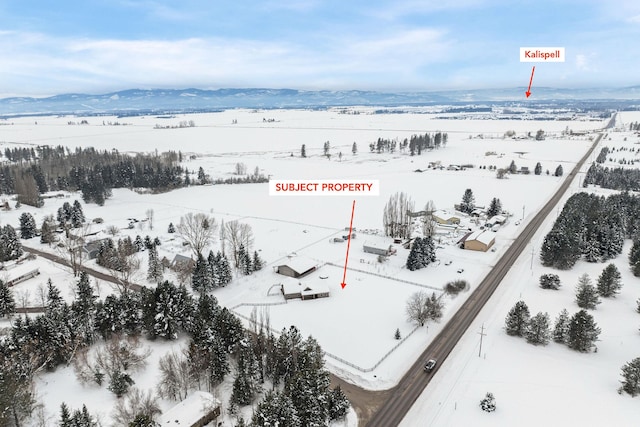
[
  {"x": 328, "y": 354},
  {"x": 388, "y": 277}
]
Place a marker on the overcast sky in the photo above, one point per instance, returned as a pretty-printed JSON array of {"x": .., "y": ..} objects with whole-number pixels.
[{"x": 98, "y": 46}]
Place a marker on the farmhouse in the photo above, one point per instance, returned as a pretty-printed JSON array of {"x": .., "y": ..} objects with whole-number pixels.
[
  {"x": 297, "y": 267},
  {"x": 445, "y": 218},
  {"x": 197, "y": 410},
  {"x": 181, "y": 261},
  {"x": 375, "y": 248},
  {"x": 92, "y": 248},
  {"x": 292, "y": 289},
  {"x": 480, "y": 240}
]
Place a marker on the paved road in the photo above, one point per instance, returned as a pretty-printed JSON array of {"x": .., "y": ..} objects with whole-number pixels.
[
  {"x": 403, "y": 396},
  {"x": 95, "y": 273}
]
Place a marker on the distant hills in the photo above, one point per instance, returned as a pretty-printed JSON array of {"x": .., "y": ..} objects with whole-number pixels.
[{"x": 139, "y": 101}]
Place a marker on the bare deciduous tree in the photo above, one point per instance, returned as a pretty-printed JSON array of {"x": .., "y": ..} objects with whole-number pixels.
[
  {"x": 241, "y": 169},
  {"x": 197, "y": 230},
  {"x": 176, "y": 377},
  {"x": 113, "y": 230},
  {"x": 428, "y": 223},
  {"x": 149, "y": 214},
  {"x": 417, "y": 307},
  {"x": 395, "y": 217},
  {"x": 237, "y": 234},
  {"x": 134, "y": 403}
]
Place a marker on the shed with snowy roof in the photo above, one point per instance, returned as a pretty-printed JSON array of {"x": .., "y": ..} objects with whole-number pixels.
[{"x": 197, "y": 410}]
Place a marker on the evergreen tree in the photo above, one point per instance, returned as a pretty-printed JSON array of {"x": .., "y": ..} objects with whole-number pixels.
[
  {"x": 244, "y": 261},
  {"x": 119, "y": 383},
  {"x": 512, "y": 167},
  {"x": 428, "y": 251},
  {"x": 276, "y": 409},
  {"x": 303, "y": 151},
  {"x": 517, "y": 319},
  {"x": 397, "y": 334},
  {"x": 257, "y": 262},
  {"x": 550, "y": 281},
  {"x": 434, "y": 307},
  {"x": 583, "y": 331},
  {"x": 354, "y": 148},
  {"x": 468, "y": 201},
  {"x": 560, "y": 249},
  {"x": 586, "y": 294},
  {"x": 488, "y": 404},
  {"x": 65, "y": 416},
  {"x": 338, "y": 404},
  {"x": 538, "y": 169},
  {"x": 47, "y": 231},
  {"x": 634, "y": 258},
  {"x": 495, "y": 208},
  {"x": 10, "y": 246},
  {"x": 223, "y": 270},
  {"x": 212, "y": 262},
  {"x": 172, "y": 228},
  {"x": 7, "y": 303},
  {"x": 558, "y": 171},
  {"x": 143, "y": 420},
  {"x": 201, "y": 279},
  {"x": 561, "y": 327},
  {"x": 538, "y": 331},
  {"x": 414, "y": 260},
  {"x": 609, "y": 282},
  {"x": 155, "y": 267},
  {"x": 77, "y": 216},
  {"x": 27, "y": 226},
  {"x": 631, "y": 377}
]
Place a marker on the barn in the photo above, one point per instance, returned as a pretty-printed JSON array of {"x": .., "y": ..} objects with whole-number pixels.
[
  {"x": 378, "y": 249},
  {"x": 480, "y": 240},
  {"x": 297, "y": 267},
  {"x": 443, "y": 217},
  {"x": 197, "y": 410}
]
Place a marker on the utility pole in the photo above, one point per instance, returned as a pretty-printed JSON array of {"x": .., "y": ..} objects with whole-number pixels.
[
  {"x": 482, "y": 334},
  {"x": 523, "y": 212},
  {"x": 532, "y": 249}
]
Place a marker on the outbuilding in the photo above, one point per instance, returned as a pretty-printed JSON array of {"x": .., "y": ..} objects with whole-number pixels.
[
  {"x": 480, "y": 240},
  {"x": 378, "y": 249},
  {"x": 197, "y": 410},
  {"x": 297, "y": 267},
  {"x": 292, "y": 289},
  {"x": 445, "y": 218}
]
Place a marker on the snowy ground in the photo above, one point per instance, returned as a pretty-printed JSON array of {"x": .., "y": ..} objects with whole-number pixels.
[
  {"x": 550, "y": 385},
  {"x": 367, "y": 312}
]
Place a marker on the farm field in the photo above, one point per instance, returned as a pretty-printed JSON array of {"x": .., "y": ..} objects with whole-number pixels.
[{"x": 354, "y": 325}]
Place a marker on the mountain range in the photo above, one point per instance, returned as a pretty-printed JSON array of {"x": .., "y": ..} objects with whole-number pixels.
[{"x": 140, "y": 101}]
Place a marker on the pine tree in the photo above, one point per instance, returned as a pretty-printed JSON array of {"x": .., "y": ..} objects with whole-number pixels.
[
  {"x": 276, "y": 409},
  {"x": 609, "y": 281},
  {"x": 550, "y": 281},
  {"x": 77, "y": 216},
  {"x": 586, "y": 294},
  {"x": 517, "y": 319},
  {"x": 172, "y": 228},
  {"x": 27, "y": 226},
  {"x": 303, "y": 151},
  {"x": 10, "y": 246},
  {"x": 155, "y": 267},
  {"x": 583, "y": 331},
  {"x": 558, "y": 171},
  {"x": 257, "y": 263},
  {"x": 415, "y": 260},
  {"x": 560, "y": 249},
  {"x": 47, "y": 231},
  {"x": 538, "y": 169},
  {"x": 631, "y": 377},
  {"x": 488, "y": 404},
  {"x": 397, "y": 334},
  {"x": 428, "y": 251},
  {"x": 561, "y": 327},
  {"x": 7, "y": 303},
  {"x": 65, "y": 416},
  {"x": 354, "y": 148},
  {"x": 495, "y": 208},
  {"x": 224, "y": 275},
  {"x": 201, "y": 279},
  {"x": 338, "y": 404},
  {"x": 119, "y": 383},
  {"x": 538, "y": 331},
  {"x": 244, "y": 261},
  {"x": 468, "y": 201}
]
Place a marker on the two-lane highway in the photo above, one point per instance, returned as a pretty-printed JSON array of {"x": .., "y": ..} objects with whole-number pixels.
[{"x": 403, "y": 396}]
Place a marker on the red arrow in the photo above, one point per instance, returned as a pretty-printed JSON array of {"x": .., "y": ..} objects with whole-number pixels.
[
  {"x": 346, "y": 261},
  {"x": 528, "y": 92}
]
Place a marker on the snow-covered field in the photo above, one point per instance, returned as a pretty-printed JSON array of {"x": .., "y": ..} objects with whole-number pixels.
[
  {"x": 536, "y": 385},
  {"x": 355, "y": 324}
]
